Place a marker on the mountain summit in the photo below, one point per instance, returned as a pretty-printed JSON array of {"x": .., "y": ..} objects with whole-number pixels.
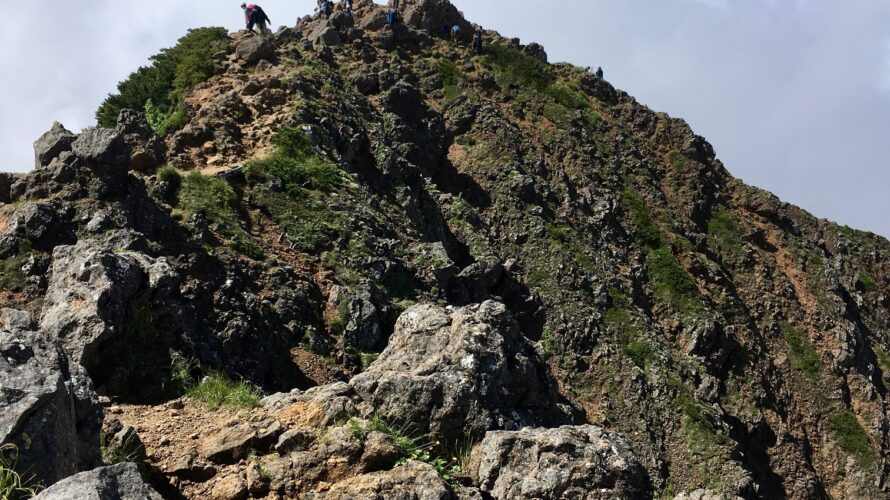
[{"x": 357, "y": 260}]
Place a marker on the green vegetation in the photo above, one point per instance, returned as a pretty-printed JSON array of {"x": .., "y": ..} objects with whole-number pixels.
[
  {"x": 536, "y": 82},
  {"x": 215, "y": 199},
  {"x": 722, "y": 230},
  {"x": 11, "y": 275},
  {"x": 113, "y": 453},
  {"x": 301, "y": 206},
  {"x": 169, "y": 174},
  {"x": 672, "y": 283},
  {"x": 647, "y": 232},
  {"x": 802, "y": 354},
  {"x": 451, "y": 78},
  {"x": 12, "y": 485},
  {"x": 678, "y": 162},
  {"x": 868, "y": 283},
  {"x": 701, "y": 431},
  {"x": 640, "y": 352},
  {"x": 164, "y": 122},
  {"x": 414, "y": 447},
  {"x": 218, "y": 390},
  {"x": 173, "y": 71},
  {"x": 852, "y": 438}
]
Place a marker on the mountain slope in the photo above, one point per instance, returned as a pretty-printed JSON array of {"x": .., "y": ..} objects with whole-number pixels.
[{"x": 735, "y": 343}]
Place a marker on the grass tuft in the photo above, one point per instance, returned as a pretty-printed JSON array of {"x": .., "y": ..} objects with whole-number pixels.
[
  {"x": 802, "y": 354},
  {"x": 852, "y": 438},
  {"x": 217, "y": 390},
  {"x": 12, "y": 485}
]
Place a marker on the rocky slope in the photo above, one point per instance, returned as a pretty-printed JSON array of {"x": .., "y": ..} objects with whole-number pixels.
[{"x": 451, "y": 276}]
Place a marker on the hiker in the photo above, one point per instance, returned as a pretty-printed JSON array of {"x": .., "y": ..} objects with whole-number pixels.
[
  {"x": 254, "y": 15},
  {"x": 477, "y": 41},
  {"x": 599, "y": 72},
  {"x": 455, "y": 34},
  {"x": 299, "y": 27},
  {"x": 346, "y": 6},
  {"x": 392, "y": 16}
]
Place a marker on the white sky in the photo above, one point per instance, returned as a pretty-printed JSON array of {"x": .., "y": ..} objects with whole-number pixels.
[{"x": 794, "y": 94}]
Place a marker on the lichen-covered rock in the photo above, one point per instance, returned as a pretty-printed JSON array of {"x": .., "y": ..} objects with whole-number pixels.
[
  {"x": 583, "y": 462},
  {"x": 460, "y": 372},
  {"x": 115, "y": 482},
  {"x": 325, "y": 35},
  {"x": 48, "y": 408}
]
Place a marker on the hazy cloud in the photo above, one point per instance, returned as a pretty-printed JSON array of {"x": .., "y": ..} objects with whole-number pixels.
[{"x": 794, "y": 94}]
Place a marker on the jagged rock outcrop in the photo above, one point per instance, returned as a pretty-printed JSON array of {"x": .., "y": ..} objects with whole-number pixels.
[
  {"x": 116, "y": 482},
  {"x": 455, "y": 373},
  {"x": 49, "y": 409},
  {"x": 413, "y": 481},
  {"x": 51, "y": 144},
  {"x": 582, "y": 462},
  {"x": 147, "y": 150}
]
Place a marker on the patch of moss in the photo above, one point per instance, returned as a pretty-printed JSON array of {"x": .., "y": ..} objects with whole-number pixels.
[
  {"x": 647, "y": 232},
  {"x": 852, "y": 438},
  {"x": 672, "y": 283},
  {"x": 868, "y": 283},
  {"x": 11, "y": 275},
  {"x": 723, "y": 231}
]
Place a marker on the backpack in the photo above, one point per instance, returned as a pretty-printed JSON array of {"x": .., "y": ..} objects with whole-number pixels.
[
  {"x": 392, "y": 17},
  {"x": 328, "y": 8}
]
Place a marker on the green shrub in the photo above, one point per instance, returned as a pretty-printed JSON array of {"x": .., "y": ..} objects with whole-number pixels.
[
  {"x": 169, "y": 174},
  {"x": 852, "y": 438},
  {"x": 218, "y": 390},
  {"x": 209, "y": 196},
  {"x": 12, "y": 485},
  {"x": 868, "y": 283},
  {"x": 802, "y": 354},
  {"x": 647, "y": 232},
  {"x": 678, "y": 162},
  {"x": 514, "y": 67},
  {"x": 640, "y": 352},
  {"x": 164, "y": 122},
  {"x": 723, "y": 231},
  {"x": 11, "y": 275},
  {"x": 568, "y": 95},
  {"x": 113, "y": 453},
  {"x": 173, "y": 71},
  {"x": 672, "y": 283},
  {"x": 295, "y": 163}
]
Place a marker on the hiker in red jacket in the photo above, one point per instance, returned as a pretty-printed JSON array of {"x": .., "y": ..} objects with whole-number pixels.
[{"x": 254, "y": 15}]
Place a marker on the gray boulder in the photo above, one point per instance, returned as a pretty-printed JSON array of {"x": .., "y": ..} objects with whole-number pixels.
[
  {"x": 362, "y": 322},
  {"x": 102, "y": 147},
  {"x": 116, "y": 482},
  {"x": 88, "y": 296},
  {"x": 583, "y": 462},
  {"x": 51, "y": 144},
  {"x": 431, "y": 15},
  {"x": 253, "y": 49},
  {"x": 457, "y": 373},
  {"x": 48, "y": 408},
  {"x": 324, "y": 35}
]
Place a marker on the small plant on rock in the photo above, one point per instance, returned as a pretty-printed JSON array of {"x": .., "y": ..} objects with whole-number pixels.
[{"x": 12, "y": 485}]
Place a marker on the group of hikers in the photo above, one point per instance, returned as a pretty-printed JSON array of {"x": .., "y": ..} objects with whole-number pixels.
[{"x": 255, "y": 16}]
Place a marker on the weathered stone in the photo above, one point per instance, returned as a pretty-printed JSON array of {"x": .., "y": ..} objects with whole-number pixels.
[
  {"x": 252, "y": 49},
  {"x": 48, "y": 408},
  {"x": 379, "y": 453},
  {"x": 460, "y": 372},
  {"x": 116, "y": 482},
  {"x": 232, "y": 487},
  {"x": 583, "y": 462},
  {"x": 228, "y": 445},
  {"x": 146, "y": 149},
  {"x": 412, "y": 481},
  {"x": 324, "y": 35},
  {"x": 102, "y": 146},
  {"x": 52, "y": 143}
]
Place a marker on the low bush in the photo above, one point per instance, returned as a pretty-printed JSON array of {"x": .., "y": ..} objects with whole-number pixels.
[
  {"x": 852, "y": 438},
  {"x": 12, "y": 485}
]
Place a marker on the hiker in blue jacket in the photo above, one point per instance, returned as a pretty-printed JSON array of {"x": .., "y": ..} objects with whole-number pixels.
[
  {"x": 255, "y": 15},
  {"x": 477, "y": 41}
]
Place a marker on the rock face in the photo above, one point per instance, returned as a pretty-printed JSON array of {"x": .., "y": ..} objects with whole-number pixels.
[
  {"x": 582, "y": 462},
  {"x": 146, "y": 149},
  {"x": 460, "y": 372},
  {"x": 117, "y": 482},
  {"x": 51, "y": 144},
  {"x": 49, "y": 409}
]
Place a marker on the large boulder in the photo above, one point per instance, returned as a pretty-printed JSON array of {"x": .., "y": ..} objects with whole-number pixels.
[
  {"x": 583, "y": 462},
  {"x": 146, "y": 148},
  {"x": 102, "y": 147},
  {"x": 48, "y": 408},
  {"x": 324, "y": 35},
  {"x": 51, "y": 144},
  {"x": 98, "y": 307},
  {"x": 253, "y": 49},
  {"x": 433, "y": 15},
  {"x": 116, "y": 482},
  {"x": 412, "y": 481},
  {"x": 457, "y": 373}
]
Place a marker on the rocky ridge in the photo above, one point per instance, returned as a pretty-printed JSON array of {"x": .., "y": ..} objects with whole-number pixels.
[{"x": 450, "y": 276}]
